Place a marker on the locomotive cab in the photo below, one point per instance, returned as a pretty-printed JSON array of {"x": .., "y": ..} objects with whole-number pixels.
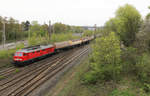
[{"x": 19, "y": 56}]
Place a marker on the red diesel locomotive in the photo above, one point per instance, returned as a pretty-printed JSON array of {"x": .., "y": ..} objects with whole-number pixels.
[{"x": 31, "y": 53}]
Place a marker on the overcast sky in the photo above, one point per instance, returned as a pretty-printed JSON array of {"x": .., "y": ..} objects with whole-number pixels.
[{"x": 72, "y": 12}]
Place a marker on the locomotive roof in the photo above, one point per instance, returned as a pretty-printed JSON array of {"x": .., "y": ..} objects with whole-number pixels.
[{"x": 35, "y": 48}]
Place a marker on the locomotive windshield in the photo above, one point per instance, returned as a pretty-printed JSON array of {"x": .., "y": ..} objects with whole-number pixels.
[{"x": 18, "y": 54}]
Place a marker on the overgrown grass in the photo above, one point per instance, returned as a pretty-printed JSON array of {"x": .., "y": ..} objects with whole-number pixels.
[
  {"x": 122, "y": 93},
  {"x": 17, "y": 70},
  {"x": 8, "y": 53},
  {"x": 2, "y": 77}
]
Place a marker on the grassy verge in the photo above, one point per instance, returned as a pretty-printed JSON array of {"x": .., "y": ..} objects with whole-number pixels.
[
  {"x": 2, "y": 77},
  {"x": 6, "y": 55}
]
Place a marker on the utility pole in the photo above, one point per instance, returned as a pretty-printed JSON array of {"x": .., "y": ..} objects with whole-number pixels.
[
  {"x": 28, "y": 34},
  {"x": 49, "y": 29},
  {"x": 53, "y": 29},
  {"x": 27, "y": 28},
  {"x": 94, "y": 30},
  {"x": 4, "y": 36}
]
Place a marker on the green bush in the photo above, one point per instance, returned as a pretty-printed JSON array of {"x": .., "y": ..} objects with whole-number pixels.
[
  {"x": 2, "y": 77},
  {"x": 105, "y": 60},
  {"x": 34, "y": 39},
  {"x": 137, "y": 65},
  {"x": 143, "y": 70},
  {"x": 90, "y": 77},
  {"x": 143, "y": 66},
  {"x": 129, "y": 58},
  {"x": 121, "y": 93},
  {"x": 3, "y": 54},
  {"x": 62, "y": 37},
  {"x": 9, "y": 53},
  {"x": 20, "y": 46},
  {"x": 88, "y": 33}
]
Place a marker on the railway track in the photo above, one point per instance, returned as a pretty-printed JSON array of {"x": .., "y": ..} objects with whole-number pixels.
[
  {"x": 24, "y": 84},
  {"x": 12, "y": 70},
  {"x": 30, "y": 68},
  {"x": 6, "y": 71},
  {"x": 24, "y": 75}
]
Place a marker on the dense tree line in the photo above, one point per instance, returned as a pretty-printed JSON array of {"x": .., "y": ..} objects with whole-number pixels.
[
  {"x": 126, "y": 24},
  {"x": 16, "y": 30},
  {"x": 13, "y": 29}
]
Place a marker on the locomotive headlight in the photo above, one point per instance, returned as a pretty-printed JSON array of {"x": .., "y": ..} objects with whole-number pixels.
[{"x": 18, "y": 59}]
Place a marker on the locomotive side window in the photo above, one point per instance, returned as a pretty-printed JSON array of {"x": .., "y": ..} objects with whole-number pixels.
[
  {"x": 25, "y": 54},
  {"x": 18, "y": 54}
]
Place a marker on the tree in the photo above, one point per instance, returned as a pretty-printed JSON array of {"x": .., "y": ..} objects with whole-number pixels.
[
  {"x": 105, "y": 59},
  {"x": 44, "y": 30},
  {"x": 26, "y": 26},
  {"x": 142, "y": 37},
  {"x": 130, "y": 21},
  {"x": 148, "y": 15},
  {"x": 78, "y": 29},
  {"x": 59, "y": 28},
  {"x": 38, "y": 33},
  {"x": 88, "y": 33},
  {"x": 113, "y": 25}
]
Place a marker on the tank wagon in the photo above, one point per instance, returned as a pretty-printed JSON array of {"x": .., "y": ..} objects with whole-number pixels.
[{"x": 33, "y": 53}]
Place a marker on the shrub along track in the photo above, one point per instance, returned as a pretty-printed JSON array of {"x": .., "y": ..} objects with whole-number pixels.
[{"x": 29, "y": 80}]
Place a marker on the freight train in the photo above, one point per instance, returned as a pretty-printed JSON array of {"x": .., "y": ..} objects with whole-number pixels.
[{"x": 31, "y": 54}]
